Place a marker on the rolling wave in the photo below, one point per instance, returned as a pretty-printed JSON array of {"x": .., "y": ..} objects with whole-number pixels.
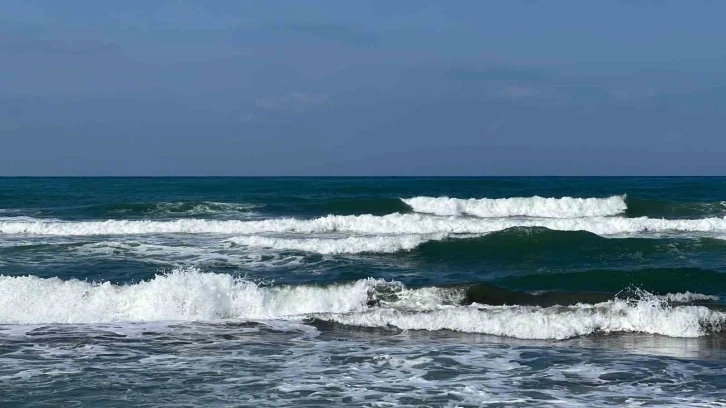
[
  {"x": 656, "y": 280},
  {"x": 184, "y": 295},
  {"x": 652, "y": 316},
  {"x": 189, "y": 295},
  {"x": 565, "y": 207}
]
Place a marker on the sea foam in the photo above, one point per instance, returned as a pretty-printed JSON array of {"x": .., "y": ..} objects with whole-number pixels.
[
  {"x": 349, "y": 245},
  {"x": 565, "y": 207}
]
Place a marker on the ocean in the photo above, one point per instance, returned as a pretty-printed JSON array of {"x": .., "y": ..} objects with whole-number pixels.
[{"x": 376, "y": 292}]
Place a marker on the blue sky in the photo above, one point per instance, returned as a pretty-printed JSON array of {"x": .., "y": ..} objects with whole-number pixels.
[{"x": 363, "y": 88}]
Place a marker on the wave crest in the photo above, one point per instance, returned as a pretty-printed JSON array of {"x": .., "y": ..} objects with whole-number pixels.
[{"x": 565, "y": 207}]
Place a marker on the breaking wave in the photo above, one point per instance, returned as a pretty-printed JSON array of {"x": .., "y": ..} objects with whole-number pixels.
[
  {"x": 652, "y": 316},
  {"x": 365, "y": 224},
  {"x": 190, "y": 295},
  {"x": 181, "y": 295},
  {"x": 565, "y": 207}
]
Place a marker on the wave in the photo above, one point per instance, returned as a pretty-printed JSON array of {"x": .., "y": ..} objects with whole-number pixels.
[
  {"x": 185, "y": 295},
  {"x": 365, "y": 224},
  {"x": 553, "y": 247},
  {"x": 349, "y": 245},
  {"x": 488, "y": 294},
  {"x": 565, "y": 207},
  {"x": 190, "y": 295},
  {"x": 652, "y": 316},
  {"x": 655, "y": 280}
]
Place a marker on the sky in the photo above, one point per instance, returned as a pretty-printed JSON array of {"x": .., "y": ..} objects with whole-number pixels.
[{"x": 362, "y": 88}]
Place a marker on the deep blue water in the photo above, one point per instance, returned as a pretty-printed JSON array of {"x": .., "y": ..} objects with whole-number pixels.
[{"x": 362, "y": 291}]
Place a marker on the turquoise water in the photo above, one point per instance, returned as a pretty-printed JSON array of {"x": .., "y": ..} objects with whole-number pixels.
[{"x": 362, "y": 291}]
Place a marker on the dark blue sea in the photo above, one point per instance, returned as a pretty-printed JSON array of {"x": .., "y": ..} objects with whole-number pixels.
[{"x": 373, "y": 292}]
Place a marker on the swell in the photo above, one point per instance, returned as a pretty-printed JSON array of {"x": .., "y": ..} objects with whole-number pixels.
[
  {"x": 537, "y": 245},
  {"x": 654, "y": 280},
  {"x": 190, "y": 295},
  {"x": 638, "y": 207}
]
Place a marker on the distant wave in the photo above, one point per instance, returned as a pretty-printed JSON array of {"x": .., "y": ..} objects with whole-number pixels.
[
  {"x": 136, "y": 211},
  {"x": 365, "y": 225},
  {"x": 190, "y": 295},
  {"x": 565, "y": 207}
]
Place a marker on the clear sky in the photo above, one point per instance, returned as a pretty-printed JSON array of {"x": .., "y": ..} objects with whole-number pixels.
[{"x": 227, "y": 87}]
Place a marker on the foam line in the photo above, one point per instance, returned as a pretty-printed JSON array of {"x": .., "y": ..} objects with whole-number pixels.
[{"x": 364, "y": 225}]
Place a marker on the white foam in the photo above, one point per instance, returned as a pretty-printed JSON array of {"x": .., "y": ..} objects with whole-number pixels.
[
  {"x": 365, "y": 225},
  {"x": 565, "y": 207},
  {"x": 651, "y": 316},
  {"x": 349, "y": 245}
]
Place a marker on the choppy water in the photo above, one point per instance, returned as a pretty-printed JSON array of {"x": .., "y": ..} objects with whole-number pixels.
[{"x": 362, "y": 291}]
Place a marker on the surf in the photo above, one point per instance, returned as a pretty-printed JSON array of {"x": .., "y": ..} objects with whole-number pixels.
[
  {"x": 192, "y": 295},
  {"x": 364, "y": 224}
]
